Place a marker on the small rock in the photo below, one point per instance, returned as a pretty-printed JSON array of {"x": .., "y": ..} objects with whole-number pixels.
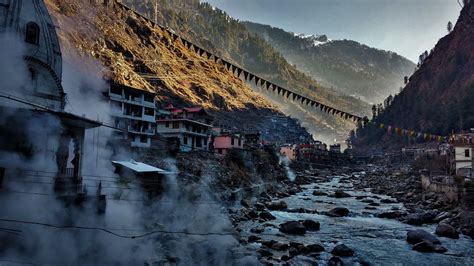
[
  {"x": 342, "y": 251},
  {"x": 265, "y": 253},
  {"x": 257, "y": 230},
  {"x": 293, "y": 252},
  {"x": 293, "y": 227},
  {"x": 259, "y": 206},
  {"x": 446, "y": 230},
  {"x": 335, "y": 261},
  {"x": 338, "y": 212},
  {"x": 387, "y": 201},
  {"x": 268, "y": 243},
  {"x": 245, "y": 203},
  {"x": 253, "y": 238}
]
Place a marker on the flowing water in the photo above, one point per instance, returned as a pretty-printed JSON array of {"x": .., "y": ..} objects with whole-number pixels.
[{"x": 376, "y": 241}]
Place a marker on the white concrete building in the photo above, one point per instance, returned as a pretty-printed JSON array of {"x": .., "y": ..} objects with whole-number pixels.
[
  {"x": 188, "y": 128},
  {"x": 462, "y": 157},
  {"x": 133, "y": 110}
]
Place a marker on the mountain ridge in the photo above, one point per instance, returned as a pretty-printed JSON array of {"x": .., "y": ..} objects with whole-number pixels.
[{"x": 348, "y": 66}]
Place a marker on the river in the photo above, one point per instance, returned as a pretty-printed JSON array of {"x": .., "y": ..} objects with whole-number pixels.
[{"x": 376, "y": 241}]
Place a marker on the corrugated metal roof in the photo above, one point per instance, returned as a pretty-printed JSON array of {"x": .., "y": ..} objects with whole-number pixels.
[{"x": 140, "y": 167}]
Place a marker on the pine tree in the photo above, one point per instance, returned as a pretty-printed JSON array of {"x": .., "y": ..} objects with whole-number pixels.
[{"x": 450, "y": 27}]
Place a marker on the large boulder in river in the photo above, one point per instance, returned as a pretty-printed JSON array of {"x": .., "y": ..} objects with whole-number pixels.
[
  {"x": 426, "y": 246},
  {"x": 446, "y": 230},
  {"x": 420, "y": 235},
  {"x": 319, "y": 193},
  {"x": 342, "y": 251},
  {"x": 277, "y": 205},
  {"x": 338, "y": 212},
  {"x": 311, "y": 225},
  {"x": 415, "y": 219},
  {"x": 341, "y": 194},
  {"x": 390, "y": 215},
  {"x": 316, "y": 248},
  {"x": 265, "y": 215},
  {"x": 293, "y": 228}
]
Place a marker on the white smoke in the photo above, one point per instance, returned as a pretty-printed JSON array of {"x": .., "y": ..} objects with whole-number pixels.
[{"x": 285, "y": 162}]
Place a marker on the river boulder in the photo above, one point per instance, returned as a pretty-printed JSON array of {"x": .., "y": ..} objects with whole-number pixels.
[
  {"x": 311, "y": 225},
  {"x": 341, "y": 194},
  {"x": 293, "y": 228},
  {"x": 420, "y": 235},
  {"x": 314, "y": 248},
  {"x": 428, "y": 247},
  {"x": 446, "y": 230},
  {"x": 277, "y": 205},
  {"x": 265, "y": 215},
  {"x": 319, "y": 193},
  {"x": 280, "y": 246},
  {"x": 390, "y": 215},
  {"x": 342, "y": 251},
  {"x": 338, "y": 212}
]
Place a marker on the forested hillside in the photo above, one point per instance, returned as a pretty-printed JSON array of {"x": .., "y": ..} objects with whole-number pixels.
[
  {"x": 348, "y": 66},
  {"x": 218, "y": 32},
  {"x": 439, "y": 98}
]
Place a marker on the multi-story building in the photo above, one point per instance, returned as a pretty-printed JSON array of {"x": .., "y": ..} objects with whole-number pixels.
[
  {"x": 189, "y": 128},
  {"x": 134, "y": 111},
  {"x": 224, "y": 142},
  {"x": 462, "y": 158}
]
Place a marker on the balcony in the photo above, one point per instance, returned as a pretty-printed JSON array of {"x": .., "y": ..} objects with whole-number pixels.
[
  {"x": 132, "y": 100},
  {"x": 165, "y": 130},
  {"x": 149, "y": 131}
]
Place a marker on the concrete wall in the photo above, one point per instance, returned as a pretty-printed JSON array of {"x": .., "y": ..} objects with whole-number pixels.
[{"x": 451, "y": 190}]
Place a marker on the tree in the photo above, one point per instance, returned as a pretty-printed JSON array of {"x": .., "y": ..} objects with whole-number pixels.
[
  {"x": 450, "y": 27},
  {"x": 374, "y": 111}
]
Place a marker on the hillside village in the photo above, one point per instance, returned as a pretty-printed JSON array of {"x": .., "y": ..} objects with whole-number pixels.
[{"x": 206, "y": 169}]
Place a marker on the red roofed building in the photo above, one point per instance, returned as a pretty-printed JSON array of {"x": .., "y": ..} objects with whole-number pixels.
[{"x": 188, "y": 127}]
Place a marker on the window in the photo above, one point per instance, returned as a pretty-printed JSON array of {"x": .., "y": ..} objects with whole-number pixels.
[
  {"x": 232, "y": 141},
  {"x": 149, "y": 98},
  {"x": 167, "y": 124},
  {"x": 149, "y": 111},
  {"x": 185, "y": 140},
  {"x": 219, "y": 151},
  {"x": 467, "y": 153},
  {"x": 32, "y": 33},
  {"x": 240, "y": 142},
  {"x": 33, "y": 73},
  {"x": 143, "y": 139},
  {"x": 116, "y": 90},
  {"x": 176, "y": 124}
]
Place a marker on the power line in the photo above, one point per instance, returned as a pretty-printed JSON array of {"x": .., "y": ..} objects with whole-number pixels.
[{"x": 109, "y": 231}]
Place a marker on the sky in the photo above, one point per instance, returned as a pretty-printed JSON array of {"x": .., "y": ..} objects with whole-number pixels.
[{"x": 407, "y": 27}]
